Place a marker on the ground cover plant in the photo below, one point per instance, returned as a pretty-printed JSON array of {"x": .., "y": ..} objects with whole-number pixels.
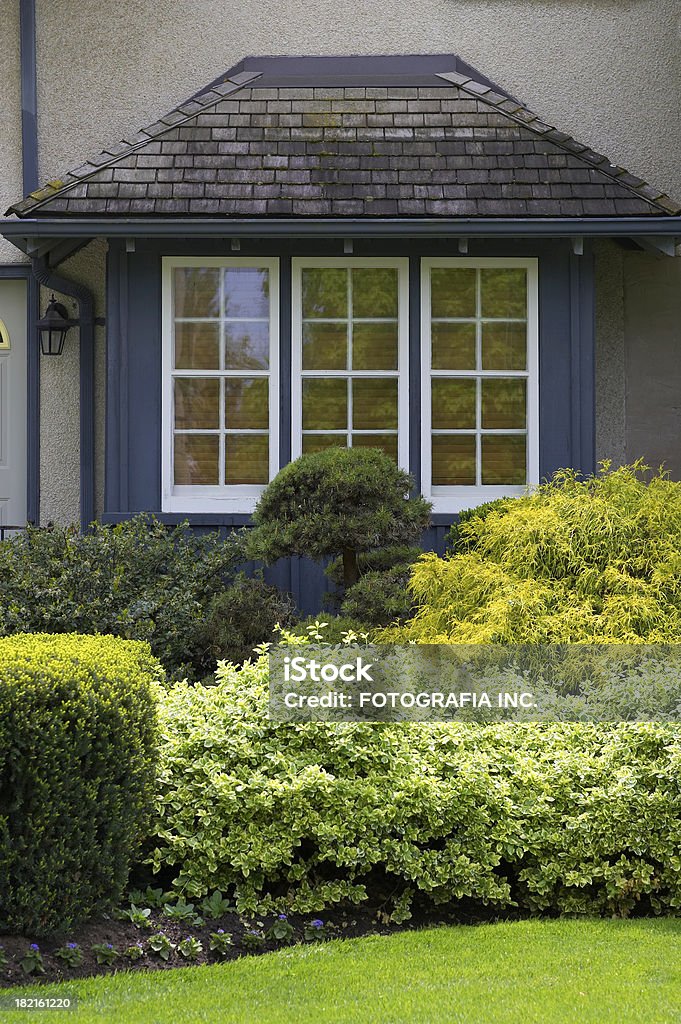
[
  {"x": 529, "y": 972},
  {"x": 78, "y": 736},
  {"x": 594, "y": 560}
]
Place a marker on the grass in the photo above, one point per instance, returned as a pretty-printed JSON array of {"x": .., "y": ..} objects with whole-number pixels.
[{"x": 531, "y": 972}]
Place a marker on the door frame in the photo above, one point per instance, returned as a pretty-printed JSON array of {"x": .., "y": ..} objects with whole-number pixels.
[{"x": 24, "y": 271}]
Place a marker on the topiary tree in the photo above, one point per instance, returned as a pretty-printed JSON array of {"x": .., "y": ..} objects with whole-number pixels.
[{"x": 341, "y": 501}]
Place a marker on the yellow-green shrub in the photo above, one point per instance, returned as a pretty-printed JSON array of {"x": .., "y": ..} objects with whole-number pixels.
[
  {"x": 594, "y": 560},
  {"x": 78, "y": 734}
]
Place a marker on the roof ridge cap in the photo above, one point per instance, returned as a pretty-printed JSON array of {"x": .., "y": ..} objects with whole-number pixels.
[
  {"x": 214, "y": 94},
  {"x": 528, "y": 119}
]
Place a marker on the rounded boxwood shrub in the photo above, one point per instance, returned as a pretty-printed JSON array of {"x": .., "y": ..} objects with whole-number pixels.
[
  {"x": 78, "y": 740},
  {"x": 569, "y": 818}
]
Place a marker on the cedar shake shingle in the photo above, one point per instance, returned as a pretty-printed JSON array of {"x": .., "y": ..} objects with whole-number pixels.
[{"x": 454, "y": 147}]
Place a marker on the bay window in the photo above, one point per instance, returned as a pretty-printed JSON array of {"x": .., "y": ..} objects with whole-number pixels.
[{"x": 347, "y": 343}]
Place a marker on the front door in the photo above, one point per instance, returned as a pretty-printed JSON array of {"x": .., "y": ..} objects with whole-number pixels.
[{"x": 13, "y": 478}]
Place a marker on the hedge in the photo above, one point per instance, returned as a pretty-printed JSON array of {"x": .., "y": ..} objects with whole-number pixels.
[
  {"x": 78, "y": 735},
  {"x": 567, "y": 817}
]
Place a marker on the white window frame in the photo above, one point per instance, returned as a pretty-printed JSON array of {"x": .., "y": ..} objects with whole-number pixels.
[
  {"x": 401, "y": 264},
  {"x": 228, "y": 498},
  {"x": 456, "y": 498}
]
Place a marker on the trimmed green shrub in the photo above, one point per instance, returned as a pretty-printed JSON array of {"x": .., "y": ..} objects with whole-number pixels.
[
  {"x": 380, "y": 595},
  {"x": 78, "y": 735},
  {"x": 241, "y": 617},
  {"x": 595, "y": 560},
  {"x": 340, "y": 501},
  {"x": 139, "y": 580},
  {"x": 561, "y": 818}
]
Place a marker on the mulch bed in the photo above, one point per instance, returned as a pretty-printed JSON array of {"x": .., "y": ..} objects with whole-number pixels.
[{"x": 353, "y": 922}]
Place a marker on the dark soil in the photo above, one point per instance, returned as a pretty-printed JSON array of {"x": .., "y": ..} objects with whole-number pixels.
[{"x": 350, "y": 923}]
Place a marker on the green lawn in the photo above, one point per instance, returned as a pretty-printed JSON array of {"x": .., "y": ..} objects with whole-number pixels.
[{"x": 536, "y": 972}]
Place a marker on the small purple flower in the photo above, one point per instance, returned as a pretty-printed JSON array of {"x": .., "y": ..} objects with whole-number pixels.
[
  {"x": 221, "y": 931},
  {"x": 109, "y": 946},
  {"x": 72, "y": 945},
  {"x": 35, "y": 948},
  {"x": 283, "y": 917},
  {"x": 317, "y": 923}
]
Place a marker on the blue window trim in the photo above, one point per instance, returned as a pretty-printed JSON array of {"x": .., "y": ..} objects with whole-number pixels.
[
  {"x": 133, "y": 425},
  {"x": 22, "y": 271}
]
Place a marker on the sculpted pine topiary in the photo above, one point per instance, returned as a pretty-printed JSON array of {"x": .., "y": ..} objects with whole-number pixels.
[{"x": 341, "y": 501}]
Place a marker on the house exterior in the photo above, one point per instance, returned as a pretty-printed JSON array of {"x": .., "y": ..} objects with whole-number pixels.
[{"x": 398, "y": 233}]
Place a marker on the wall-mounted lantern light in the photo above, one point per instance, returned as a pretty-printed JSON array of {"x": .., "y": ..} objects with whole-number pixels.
[{"x": 53, "y": 328}]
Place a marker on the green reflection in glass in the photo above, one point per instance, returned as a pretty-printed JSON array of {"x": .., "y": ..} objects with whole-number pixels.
[
  {"x": 325, "y": 404},
  {"x": 452, "y": 292},
  {"x": 453, "y": 404}
]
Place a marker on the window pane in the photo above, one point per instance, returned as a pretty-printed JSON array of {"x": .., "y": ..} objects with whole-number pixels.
[
  {"x": 453, "y": 459},
  {"x": 197, "y": 291},
  {"x": 246, "y": 403},
  {"x": 503, "y": 404},
  {"x": 247, "y": 292},
  {"x": 197, "y": 346},
  {"x": 325, "y": 404},
  {"x": 197, "y": 403},
  {"x": 374, "y": 346},
  {"x": 247, "y": 459},
  {"x": 247, "y": 346},
  {"x": 374, "y": 403},
  {"x": 453, "y": 404},
  {"x": 504, "y": 346},
  {"x": 374, "y": 292},
  {"x": 504, "y": 292},
  {"x": 325, "y": 346},
  {"x": 503, "y": 460},
  {"x": 196, "y": 458},
  {"x": 452, "y": 291},
  {"x": 325, "y": 293},
  {"x": 386, "y": 442},
  {"x": 453, "y": 346},
  {"x": 318, "y": 442}
]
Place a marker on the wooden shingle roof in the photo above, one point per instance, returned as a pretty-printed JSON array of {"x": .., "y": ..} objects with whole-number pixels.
[{"x": 390, "y": 143}]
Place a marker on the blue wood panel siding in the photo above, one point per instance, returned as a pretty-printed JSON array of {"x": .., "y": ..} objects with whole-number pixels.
[{"x": 133, "y": 424}]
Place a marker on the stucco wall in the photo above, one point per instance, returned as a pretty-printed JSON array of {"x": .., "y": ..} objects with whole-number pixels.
[
  {"x": 610, "y": 357},
  {"x": 60, "y": 401},
  {"x": 10, "y": 120},
  {"x": 653, "y": 359},
  {"x": 608, "y": 71}
]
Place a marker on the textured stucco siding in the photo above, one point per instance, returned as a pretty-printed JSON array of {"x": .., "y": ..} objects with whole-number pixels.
[
  {"x": 610, "y": 359},
  {"x": 10, "y": 120},
  {"x": 60, "y": 400},
  {"x": 653, "y": 360},
  {"x": 608, "y": 71}
]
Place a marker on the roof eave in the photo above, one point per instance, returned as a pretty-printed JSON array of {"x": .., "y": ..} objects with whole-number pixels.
[{"x": 21, "y": 231}]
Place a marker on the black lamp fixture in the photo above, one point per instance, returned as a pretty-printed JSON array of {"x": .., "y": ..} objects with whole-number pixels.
[{"x": 53, "y": 328}]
